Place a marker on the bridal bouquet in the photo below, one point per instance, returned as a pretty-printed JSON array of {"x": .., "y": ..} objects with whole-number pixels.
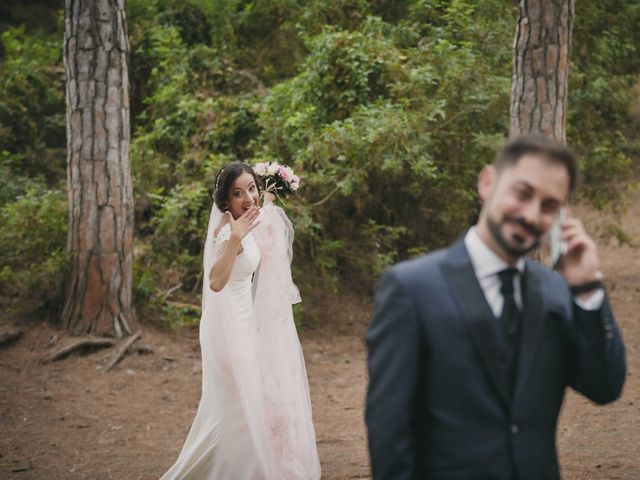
[{"x": 278, "y": 180}]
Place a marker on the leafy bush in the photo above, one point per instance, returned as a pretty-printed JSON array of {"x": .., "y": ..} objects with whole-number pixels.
[
  {"x": 178, "y": 224},
  {"x": 32, "y": 253},
  {"x": 605, "y": 70},
  {"x": 389, "y": 135},
  {"x": 32, "y": 110}
]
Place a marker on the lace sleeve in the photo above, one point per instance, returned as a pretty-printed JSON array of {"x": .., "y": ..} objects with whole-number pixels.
[{"x": 223, "y": 236}]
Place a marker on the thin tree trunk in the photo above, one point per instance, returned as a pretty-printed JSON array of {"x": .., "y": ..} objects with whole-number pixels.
[
  {"x": 99, "y": 241},
  {"x": 541, "y": 53}
]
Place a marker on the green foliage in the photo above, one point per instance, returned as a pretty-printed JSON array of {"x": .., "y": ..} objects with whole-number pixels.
[
  {"x": 32, "y": 155},
  {"x": 32, "y": 252},
  {"x": 605, "y": 69},
  {"x": 178, "y": 223},
  {"x": 346, "y": 69},
  {"x": 390, "y": 127},
  {"x": 32, "y": 118},
  {"x": 387, "y": 110}
]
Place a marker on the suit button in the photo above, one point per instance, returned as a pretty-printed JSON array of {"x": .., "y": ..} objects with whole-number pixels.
[
  {"x": 608, "y": 327},
  {"x": 514, "y": 428},
  {"x": 609, "y": 335}
]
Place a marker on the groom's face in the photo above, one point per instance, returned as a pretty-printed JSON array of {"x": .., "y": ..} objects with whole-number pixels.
[{"x": 521, "y": 202}]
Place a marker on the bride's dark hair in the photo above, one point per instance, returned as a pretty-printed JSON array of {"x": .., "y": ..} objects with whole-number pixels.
[{"x": 224, "y": 181}]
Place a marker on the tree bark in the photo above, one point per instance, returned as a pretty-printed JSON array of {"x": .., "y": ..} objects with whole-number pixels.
[
  {"x": 541, "y": 53},
  {"x": 99, "y": 241}
]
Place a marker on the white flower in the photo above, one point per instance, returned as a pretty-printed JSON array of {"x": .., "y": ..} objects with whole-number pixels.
[
  {"x": 295, "y": 184},
  {"x": 273, "y": 168},
  {"x": 260, "y": 169}
]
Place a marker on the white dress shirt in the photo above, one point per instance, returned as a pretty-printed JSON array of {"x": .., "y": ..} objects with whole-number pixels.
[{"x": 487, "y": 265}]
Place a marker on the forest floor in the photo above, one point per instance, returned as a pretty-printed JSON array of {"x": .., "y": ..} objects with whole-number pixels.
[{"x": 66, "y": 420}]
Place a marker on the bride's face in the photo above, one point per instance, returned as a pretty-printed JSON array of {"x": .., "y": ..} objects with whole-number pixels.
[{"x": 243, "y": 195}]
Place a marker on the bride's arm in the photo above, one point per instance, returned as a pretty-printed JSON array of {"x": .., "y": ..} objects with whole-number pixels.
[
  {"x": 229, "y": 248},
  {"x": 221, "y": 270}
]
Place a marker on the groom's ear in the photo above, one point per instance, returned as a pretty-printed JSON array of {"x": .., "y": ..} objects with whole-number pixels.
[{"x": 486, "y": 181}]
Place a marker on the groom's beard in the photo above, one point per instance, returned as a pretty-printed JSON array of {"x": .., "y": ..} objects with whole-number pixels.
[{"x": 512, "y": 246}]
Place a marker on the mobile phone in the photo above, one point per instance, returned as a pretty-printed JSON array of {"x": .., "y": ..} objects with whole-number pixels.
[{"x": 558, "y": 247}]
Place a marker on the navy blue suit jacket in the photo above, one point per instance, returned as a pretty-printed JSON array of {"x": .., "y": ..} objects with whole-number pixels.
[{"x": 438, "y": 404}]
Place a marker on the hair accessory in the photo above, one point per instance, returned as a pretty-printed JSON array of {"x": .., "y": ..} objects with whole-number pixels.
[{"x": 218, "y": 179}]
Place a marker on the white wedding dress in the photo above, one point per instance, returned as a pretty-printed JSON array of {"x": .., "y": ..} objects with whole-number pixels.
[{"x": 254, "y": 417}]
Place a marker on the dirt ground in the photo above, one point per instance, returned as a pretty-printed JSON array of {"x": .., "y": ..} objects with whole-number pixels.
[{"x": 67, "y": 420}]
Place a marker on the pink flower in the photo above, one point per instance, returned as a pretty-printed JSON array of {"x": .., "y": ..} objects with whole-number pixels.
[{"x": 286, "y": 173}]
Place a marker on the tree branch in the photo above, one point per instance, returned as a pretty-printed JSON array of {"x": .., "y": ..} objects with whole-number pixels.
[
  {"x": 122, "y": 350},
  {"x": 91, "y": 342}
]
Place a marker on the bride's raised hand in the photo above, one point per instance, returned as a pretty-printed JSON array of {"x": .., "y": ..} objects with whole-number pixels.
[{"x": 244, "y": 224}]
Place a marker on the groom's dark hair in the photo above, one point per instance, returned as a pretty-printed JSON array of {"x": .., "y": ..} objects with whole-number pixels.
[
  {"x": 554, "y": 151},
  {"x": 225, "y": 179}
]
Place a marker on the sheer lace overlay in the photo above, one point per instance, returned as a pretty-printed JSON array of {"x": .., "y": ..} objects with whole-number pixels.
[
  {"x": 223, "y": 235},
  {"x": 286, "y": 391}
]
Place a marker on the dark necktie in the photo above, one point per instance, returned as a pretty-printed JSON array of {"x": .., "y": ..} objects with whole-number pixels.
[
  {"x": 510, "y": 320},
  {"x": 510, "y": 313}
]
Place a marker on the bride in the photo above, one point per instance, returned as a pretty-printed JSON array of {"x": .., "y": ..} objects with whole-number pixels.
[{"x": 254, "y": 417}]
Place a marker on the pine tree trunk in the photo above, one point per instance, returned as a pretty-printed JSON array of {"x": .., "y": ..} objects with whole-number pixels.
[
  {"x": 541, "y": 55},
  {"x": 99, "y": 241}
]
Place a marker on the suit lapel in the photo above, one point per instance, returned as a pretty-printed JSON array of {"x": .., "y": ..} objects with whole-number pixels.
[
  {"x": 477, "y": 313},
  {"x": 532, "y": 323}
]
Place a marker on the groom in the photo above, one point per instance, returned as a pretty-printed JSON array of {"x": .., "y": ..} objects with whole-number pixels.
[{"x": 471, "y": 348}]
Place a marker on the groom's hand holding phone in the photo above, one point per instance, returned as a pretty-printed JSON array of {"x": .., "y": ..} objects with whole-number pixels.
[{"x": 579, "y": 264}]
